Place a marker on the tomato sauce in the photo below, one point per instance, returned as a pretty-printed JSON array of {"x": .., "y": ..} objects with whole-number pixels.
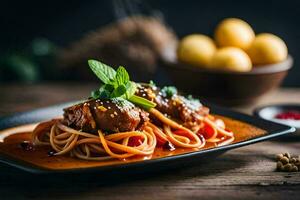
[{"x": 12, "y": 144}]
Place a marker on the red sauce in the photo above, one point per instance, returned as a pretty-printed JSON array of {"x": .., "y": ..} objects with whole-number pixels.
[
  {"x": 293, "y": 115},
  {"x": 135, "y": 141},
  {"x": 13, "y": 145}
]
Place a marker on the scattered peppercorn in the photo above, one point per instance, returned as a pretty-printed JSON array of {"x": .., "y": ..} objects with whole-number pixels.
[
  {"x": 294, "y": 168},
  {"x": 287, "y": 154},
  {"x": 279, "y": 165},
  {"x": 288, "y": 167},
  {"x": 287, "y": 163},
  {"x": 292, "y": 160},
  {"x": 279, "y": 156},
  {"x": 284, "y": 160}
]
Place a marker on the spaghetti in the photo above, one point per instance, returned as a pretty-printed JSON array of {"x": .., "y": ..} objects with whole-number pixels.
[
  {"x": 88, "y": 146},
  {"x": 124, "y": 119}
]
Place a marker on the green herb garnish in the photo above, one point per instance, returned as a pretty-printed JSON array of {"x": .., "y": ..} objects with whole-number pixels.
[
  {"x": 169, "y": 91},
  {"x": 104, "y": 72},
  {"x": 152, "y": 84},
  {"x": 116, "y": 84},
  {"x": 191, "y": 98},
  {"x": 140, "y": 101}
]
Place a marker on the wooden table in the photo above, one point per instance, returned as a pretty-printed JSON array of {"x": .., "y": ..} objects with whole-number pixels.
[{"x": 244, "y": 173}]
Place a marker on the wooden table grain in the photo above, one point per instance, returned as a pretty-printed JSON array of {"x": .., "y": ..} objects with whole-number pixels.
[{"x": 244, "y": 173}]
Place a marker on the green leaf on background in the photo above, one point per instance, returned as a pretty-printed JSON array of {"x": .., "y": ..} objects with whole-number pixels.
[{"x": 23, "y": 67}]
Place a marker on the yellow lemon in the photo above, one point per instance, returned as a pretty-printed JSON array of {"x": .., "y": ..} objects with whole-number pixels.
[
  {"x": 234, "y": 32},
  {"x": 231, "y": 59},
  {"x": 196, "y": 49},
  {"x": 267, "y": 49}
]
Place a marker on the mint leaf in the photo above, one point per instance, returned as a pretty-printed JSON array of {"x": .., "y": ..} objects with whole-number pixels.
[
  {"x": 104, "y": 72},
  {"x": 117, "y": 84},
  {"x": 95, "y": 94},
  {"x": 119, "y": 91},
  {"x": 122, "y": 76},
  {"x": 130, "y": 89},
  {"x": 105, "y": 91},
  {"x": 169, "y": 91}
]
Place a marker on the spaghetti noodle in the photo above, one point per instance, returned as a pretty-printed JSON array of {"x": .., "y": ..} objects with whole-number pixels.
[
  {"x": 65, "y": 140},
  {"x": 115, "y": 124}
]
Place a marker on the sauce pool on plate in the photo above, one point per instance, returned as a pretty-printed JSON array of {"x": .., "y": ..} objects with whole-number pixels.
[{"x": 16, "y": 143}]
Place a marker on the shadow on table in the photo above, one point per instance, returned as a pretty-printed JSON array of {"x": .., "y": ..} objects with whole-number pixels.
[{"x": 40, "y": 186}]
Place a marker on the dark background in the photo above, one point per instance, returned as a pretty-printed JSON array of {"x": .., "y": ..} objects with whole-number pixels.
[{"x": 64, "y": 21}]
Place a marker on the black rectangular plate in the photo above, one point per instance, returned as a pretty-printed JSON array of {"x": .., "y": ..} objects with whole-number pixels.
[{"x": 273, "y": 130}]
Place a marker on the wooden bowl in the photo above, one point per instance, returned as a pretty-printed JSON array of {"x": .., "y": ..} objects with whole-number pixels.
[{"x": 228, "y": 88}]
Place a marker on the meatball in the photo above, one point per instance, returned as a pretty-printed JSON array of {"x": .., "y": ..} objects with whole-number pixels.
[
  {"x": 113, "y": 115},
  {"x": 189, "y": 111}
]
